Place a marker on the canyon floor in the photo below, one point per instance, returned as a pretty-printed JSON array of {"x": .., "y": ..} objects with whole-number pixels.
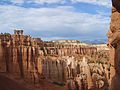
[{"x": 7, "y": 82}]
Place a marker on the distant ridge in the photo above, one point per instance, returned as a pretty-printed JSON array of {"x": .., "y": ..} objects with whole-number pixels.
[{"x": 96, "y": 41}]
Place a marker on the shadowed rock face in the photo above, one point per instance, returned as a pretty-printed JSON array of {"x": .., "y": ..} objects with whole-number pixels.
[
  {"x": 116, "y": 4},
  {"x": 114, "y": 43},
  {"x": 77, "y": 74}
]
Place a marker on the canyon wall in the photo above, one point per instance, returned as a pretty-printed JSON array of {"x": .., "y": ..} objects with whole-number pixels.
[
  {"x": 22, "y": 55},
  {"x": 61, "y": 62},
  {"x": 114, "y": 44}
]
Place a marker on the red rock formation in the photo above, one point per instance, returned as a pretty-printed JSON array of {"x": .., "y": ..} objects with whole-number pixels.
[
  {"x": 32, "y": 59},
  {"x": 67, "y": 48},
  {"x": 76, "y": 73},
  {"x": 114, "y": 44},
  {"x": 20, "y": 55}
]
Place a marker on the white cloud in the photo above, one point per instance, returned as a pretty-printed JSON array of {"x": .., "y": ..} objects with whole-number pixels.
[
  {"x": 52, "y": 22},
  {"x": 48, "y": 1},
  {"x": 17, "y": 1},
  {"x": 39, "y": 1},
  {"x": 106, "y": 3}
]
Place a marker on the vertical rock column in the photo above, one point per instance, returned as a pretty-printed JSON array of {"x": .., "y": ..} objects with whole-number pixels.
[
  {"x": 20, "y": 61},
  {"x": 2, "y": 58}
]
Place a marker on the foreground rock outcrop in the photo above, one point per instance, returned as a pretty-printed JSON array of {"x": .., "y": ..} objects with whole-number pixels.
[{"x": 114, "y": 44}]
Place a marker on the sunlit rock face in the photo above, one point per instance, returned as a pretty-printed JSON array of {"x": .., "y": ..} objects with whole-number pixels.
[
  {"x": 114, "y": 43},
  {"x": 20, "y": 55}
]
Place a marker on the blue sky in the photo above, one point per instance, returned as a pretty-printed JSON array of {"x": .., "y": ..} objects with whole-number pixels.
[{"x": 57, "y": 19}]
